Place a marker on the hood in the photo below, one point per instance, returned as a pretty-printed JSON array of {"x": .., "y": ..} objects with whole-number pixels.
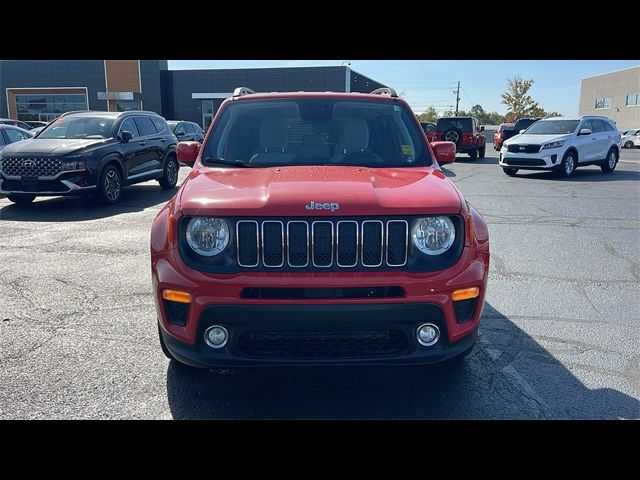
[
  {"x": 523, "y": 138},
  {"x": 49, "y": 146},
  {"x": 290, "y": 191}
]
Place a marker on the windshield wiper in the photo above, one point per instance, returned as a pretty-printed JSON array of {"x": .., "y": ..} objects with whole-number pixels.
[{"x": 228, "y": 163}]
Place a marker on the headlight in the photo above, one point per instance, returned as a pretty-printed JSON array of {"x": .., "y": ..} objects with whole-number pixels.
[
  {"x": 433, "y": 235},
  {"x": 552, "y": 145},
  {"x": 207, "y": 236},
  {"x": 73, "y": 166}
]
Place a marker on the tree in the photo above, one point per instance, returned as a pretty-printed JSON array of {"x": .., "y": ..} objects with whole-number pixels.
[
  {"x": 429, "y": 115},
  {"x": 519, "y": 102}
]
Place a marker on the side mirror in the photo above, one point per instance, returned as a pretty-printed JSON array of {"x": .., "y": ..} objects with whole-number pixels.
[
  {"x": 188, "y": 152},
  {"x": 482, "y": 128},
  {"x": 522, "y": 131},
  {"x": 584, "y": 131},
  {"x": 126, "y": 136},
  {"x": 445, "y": 152}
]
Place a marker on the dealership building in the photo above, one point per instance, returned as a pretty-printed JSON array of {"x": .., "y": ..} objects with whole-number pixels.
[
  {"x": 44, "y": 89},
  {"x": 615, "y": 95}
]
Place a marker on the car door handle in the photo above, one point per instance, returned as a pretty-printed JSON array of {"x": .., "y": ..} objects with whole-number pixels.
[
  {"x": 163, "y": 140},
  {"x": 143, "y": 142}
]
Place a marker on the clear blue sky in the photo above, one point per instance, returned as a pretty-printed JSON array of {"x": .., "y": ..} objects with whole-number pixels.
[{"x": 431, "y": 82}]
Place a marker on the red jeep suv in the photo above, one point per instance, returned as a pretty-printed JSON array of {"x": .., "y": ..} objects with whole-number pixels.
[
  {"x": 465, "y": 133},
  {"x": 317, "y": 229}
]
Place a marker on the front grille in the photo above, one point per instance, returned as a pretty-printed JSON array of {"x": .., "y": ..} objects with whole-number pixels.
[
  {"x": 524, "y": 162},
  {"x": 322, "y": 244},
  {"x": 41, "y": 186},
  {"x": 31, "y": 167},
  {"x": 524, "y": 148},
  {"x": 320, "y": 293},
  {"x": 324, "y": 344}
]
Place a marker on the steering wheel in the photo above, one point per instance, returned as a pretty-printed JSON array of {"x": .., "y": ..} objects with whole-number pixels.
[{"x": 362, "y": 157}]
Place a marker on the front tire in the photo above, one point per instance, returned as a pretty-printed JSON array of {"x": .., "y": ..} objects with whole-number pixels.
[
  {"x": 609, "y": 165},
  {"x": 629, "y": 144},
  {"x": 473, "y": 155},
  {"x": 169, "y": 177},
  {"x": 568, "y": 165},
  {"x": 110, "y": 185},
  {"x": 21, "y": 199},
  {"x": 482, "y": 151},
  {"x": 510, "y": 171}
]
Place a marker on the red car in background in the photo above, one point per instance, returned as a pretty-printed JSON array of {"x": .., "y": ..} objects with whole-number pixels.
[
  {"x": 498, "y": 136},
  {"x": 430, "y": 129}
]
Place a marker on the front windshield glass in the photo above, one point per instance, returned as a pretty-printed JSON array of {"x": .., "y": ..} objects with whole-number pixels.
[
  {"x": 316, "y": 132},
  {"x": 552, "y": 127},
  {"x": 79, "y": 127}
]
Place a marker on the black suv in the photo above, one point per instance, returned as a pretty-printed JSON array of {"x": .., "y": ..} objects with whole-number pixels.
[
  {"x": 90, "y": 153},
  {"x": 521, "y": 124},
  {"x": 186, "y": 131}
]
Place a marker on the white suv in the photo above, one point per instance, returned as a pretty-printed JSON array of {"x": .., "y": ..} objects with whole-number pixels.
[{"x": 563, "y": 144}]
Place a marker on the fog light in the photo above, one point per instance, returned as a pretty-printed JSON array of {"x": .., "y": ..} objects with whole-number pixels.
[
  {"x": 216, "y": 336},
  {"x": 428, "y": 334}
]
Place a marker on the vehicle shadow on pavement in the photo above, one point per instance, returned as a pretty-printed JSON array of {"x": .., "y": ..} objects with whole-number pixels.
[
  {"x": 508, "y": 375},
  {"x": 76, "y": 209},
  {"x": 583, "y": 174},
  {"x": 477, "y": 161}
]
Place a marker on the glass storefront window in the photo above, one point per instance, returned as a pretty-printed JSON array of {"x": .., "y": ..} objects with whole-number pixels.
[
  {"x": 127, "y": 105},
  {"x": 46, "y": 107}
]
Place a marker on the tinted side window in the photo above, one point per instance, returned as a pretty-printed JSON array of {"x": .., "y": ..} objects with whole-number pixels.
[
  {"x": 608, "y": 127},
  {"x": 159, "y": 124},
  {"x": 598, "y": 126},
  {"x": 2, "y": 140},
  {"x": 130, "y": 126},
  {"x": 145, "y": 125},
  {"x": 586, "y": 124},
  {"x": 13, "y": 135}
]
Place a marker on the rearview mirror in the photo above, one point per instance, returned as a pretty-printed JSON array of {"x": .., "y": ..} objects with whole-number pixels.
[
  {"x": 126, "y": 136},
  {"x": 188, "y": 152},
  {"x": 445, "y": 152},
  {"x": 584, "y": 131}
]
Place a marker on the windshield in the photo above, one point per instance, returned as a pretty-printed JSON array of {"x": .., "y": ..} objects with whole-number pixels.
[
  {"x": 551, "y": 127},
  {"x": 316, "y": 132},
  {"x": 79, "y": 127}
]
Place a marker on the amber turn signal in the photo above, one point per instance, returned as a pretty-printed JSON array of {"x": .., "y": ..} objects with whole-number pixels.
[
  {"x": 176, "y": 296},
  {"x": 465, "y": 293}
]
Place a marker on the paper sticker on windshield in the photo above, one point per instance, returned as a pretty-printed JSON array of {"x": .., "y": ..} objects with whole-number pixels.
[{"x": 407, "y": 149}]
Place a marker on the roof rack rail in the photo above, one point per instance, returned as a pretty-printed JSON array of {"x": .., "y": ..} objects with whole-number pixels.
[
  {"x": 385, "y": 91},
  {"x": 242, "y": 91},
  {"x": 73, "y": 111}
]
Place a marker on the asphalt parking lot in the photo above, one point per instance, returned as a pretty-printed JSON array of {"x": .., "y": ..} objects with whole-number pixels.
[{"x": 559, "y": 338}]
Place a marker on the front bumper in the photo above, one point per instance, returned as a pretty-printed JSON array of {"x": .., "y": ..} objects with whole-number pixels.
[
  {"x": 217, "y": 299},
  {"x": 543, "y": 160},
  {"x": 245, "y": 322},
  {"x": 63, "y": 184}
]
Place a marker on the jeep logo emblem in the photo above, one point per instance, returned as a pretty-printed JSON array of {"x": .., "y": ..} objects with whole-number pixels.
[{"x": 333, "y": 206}]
